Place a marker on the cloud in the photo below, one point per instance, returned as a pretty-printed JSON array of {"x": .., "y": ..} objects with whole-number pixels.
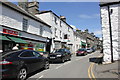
[
  {"x": 84, "y": 16},
  {"x": 98, "y": 32}
]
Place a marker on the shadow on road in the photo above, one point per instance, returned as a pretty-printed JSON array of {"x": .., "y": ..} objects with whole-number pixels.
[{"x": 97, "y": 60}]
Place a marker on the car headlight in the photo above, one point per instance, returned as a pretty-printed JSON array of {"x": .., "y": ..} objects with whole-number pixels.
[{"x": 59, "y": 55}]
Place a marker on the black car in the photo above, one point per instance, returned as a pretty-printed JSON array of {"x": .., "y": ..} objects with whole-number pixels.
[
  {"x": 18, "y": 64},
  {"x": 60, "y": 55}
]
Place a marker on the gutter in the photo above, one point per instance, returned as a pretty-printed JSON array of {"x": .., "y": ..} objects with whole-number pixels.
[{"x": 110, "y": 28}]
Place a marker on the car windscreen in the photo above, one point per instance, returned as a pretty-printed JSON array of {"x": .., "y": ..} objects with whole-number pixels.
[
  {"x": 59, "y": 50},
  {"x": 81, "y": 49}
]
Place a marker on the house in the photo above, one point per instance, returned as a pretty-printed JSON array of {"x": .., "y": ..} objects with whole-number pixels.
[
  {"x": 62, "y": 32},
  {"x": 79, "y": 40},
  {"x": 110, "y": 29},
  {"x": 19, "y": 26}
]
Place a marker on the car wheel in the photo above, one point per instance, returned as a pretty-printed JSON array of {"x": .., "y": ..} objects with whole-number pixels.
[
  {"x": 22, "y": 74},
  {"x": 76, "y": 54},
  {"x": 46, "y": 66},
  {"x": 69, "y": 59}
]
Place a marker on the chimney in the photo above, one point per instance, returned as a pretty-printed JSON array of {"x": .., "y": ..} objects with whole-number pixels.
[
  {"x": 86, "y": 30},
  {"x": 33, "y": 7},
  {"x": 23, "y": 5},
  {"x": 63, "y": 18}
]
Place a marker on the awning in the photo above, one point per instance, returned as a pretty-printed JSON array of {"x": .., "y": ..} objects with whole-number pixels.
[
  {"x": 4, "y": 38},
  {"x": 83, "y": 43},
  {"x": 17, "y": 40}
]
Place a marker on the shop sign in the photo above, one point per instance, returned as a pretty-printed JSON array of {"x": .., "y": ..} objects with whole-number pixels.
[{"x": 6, "y": 31}]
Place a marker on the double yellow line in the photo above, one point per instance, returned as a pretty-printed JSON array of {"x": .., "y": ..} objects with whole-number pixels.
[{"x": 90, "y": 72}]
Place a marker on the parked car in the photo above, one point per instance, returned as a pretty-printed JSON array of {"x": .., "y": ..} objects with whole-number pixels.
[
  {"x": 89, "y": 50},
  {"x": 18, "y": 64},
  {"x": 60, "y": 55},
  {"x": 81, "y": 51}
]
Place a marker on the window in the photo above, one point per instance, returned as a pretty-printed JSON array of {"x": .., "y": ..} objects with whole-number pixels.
[
  {"x": 25, "y": 24},
  {"x": 60, "y": 24},
  {"x": 55, "y": 31},
  {"x": 36, "y": 54},
  {"x": 65, "y": 36},
  {"x": 27, "y": 54},
  {"x": 41, "y": 29},
  {"x": 60, "y": 34},
  {"x": 55, "y": 19},
  {"x": 68, "y": 29}
]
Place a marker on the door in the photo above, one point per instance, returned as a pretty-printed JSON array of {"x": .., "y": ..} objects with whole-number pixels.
[
  {"x": 40, "y": 60},
  {"x": 30, "y": 59}
]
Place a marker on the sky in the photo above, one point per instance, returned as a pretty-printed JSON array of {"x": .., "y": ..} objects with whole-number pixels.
[{"x": 83, "y": 15}]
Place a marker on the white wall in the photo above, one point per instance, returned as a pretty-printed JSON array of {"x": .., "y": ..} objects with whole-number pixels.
[
  {"x": 14, "y": 19},
  {"x": 49, "y": 18},
  {"x": 106, "y": 33}
]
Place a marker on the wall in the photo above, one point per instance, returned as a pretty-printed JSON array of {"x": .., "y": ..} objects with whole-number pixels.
[
  {"x": 14, "y": 19},
  {"x": 106, "y": 32},
  {"x": 49, "y": 18}
]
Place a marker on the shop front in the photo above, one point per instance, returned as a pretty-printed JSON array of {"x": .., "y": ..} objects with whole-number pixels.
[
  {"x": 10, "y": 37},
  {"x": 57, "y": 44},
  {"x": 83, "y": 44}
]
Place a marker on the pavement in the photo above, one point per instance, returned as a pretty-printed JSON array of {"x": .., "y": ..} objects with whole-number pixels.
[{"x": 109, "y": 71}]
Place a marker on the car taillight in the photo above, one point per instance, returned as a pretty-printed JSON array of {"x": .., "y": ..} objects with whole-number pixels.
[{"x": 5, "y": 62}]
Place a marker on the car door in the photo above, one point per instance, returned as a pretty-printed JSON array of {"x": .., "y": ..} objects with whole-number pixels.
[
  {"x": 39, "y": 60},
  {"x": 30, "y": 60}
]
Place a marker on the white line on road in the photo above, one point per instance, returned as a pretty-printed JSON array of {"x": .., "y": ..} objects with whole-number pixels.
[{"x": 39, "y": 77}]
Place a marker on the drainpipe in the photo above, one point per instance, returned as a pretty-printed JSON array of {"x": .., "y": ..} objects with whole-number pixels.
[{"x": 110, "y": 28}]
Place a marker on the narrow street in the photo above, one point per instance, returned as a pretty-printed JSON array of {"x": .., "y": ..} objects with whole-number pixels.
[{"x": 76, "y": 68}]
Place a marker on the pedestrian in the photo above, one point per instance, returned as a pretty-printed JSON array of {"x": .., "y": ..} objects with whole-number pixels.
[{"x": 15, "y": 47}]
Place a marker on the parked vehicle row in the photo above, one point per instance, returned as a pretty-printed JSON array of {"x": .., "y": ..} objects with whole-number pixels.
[
  {"x": 19, "y": 63},
  {"x": 60, "y": 55},
  {"x": 84, "y": 51}
]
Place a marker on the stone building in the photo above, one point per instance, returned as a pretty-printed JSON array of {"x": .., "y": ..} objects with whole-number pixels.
[{"x": 110, "y": 29}]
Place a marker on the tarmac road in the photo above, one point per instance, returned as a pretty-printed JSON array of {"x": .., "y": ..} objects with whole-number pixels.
[{"x": 78, "y": 67}]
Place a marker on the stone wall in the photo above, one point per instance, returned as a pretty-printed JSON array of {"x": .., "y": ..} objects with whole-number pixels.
[{"x": 106, "y": 32}]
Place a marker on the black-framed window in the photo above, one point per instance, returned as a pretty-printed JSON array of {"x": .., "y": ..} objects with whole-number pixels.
[
  {"x": 25, "y": 24},
  {"x": 41, "y": 29},
  {"x": 55, "y": 19}
]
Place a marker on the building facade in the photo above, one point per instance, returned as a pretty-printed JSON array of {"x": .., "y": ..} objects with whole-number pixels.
[
  {"x": 110, "y": 29},
  {"x": 20, "y": 27},
  {"x": 62, "y": 33}
]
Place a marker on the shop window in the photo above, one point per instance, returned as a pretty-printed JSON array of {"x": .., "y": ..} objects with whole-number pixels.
[{"x": 25, "y": 24}]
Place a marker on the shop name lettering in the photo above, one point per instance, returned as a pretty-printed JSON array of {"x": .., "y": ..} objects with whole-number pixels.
[{"x": 10, "y": 32}]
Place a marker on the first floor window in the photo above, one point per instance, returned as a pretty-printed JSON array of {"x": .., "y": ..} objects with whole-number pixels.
[{"x": 25, "y": 24}]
